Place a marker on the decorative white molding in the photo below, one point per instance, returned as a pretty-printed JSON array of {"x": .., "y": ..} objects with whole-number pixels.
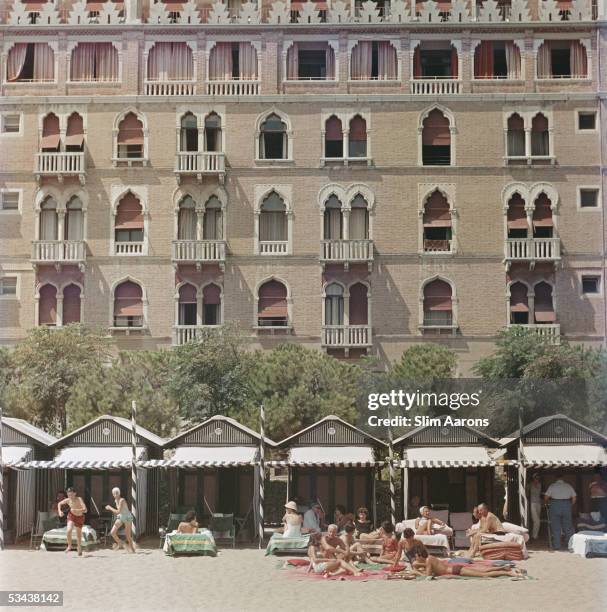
[
  {"x": 109, "y": 14},
  {"x": 249, "y": 14},
  {"x": 339, "y": 12},
  {"x": 490, "y": 12},
  {"x": 19, "y": 15},
  {"x": 519, "y": 11},
  {"x": 79, "y": 15},
  {"x": 369, "y": 13},
  {"x": 219, "y": 14},
  {"x": 460, "y": 12},
  {"x": 309, "y": 13},
  {"x": 280, "y": 13},
  {"x": 49, "y": 15},
  {"x": 190, "y": 14},
  {"x": 399, "y": 12},
  {"x": 430, "y": 12},
  {"x": 158, "y": 14},
  {"x": 581, "y": 10},
  {"x": 549, "y": 10}
]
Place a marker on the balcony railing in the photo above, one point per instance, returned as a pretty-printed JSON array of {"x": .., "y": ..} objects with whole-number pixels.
[
  {"x": 551, "y": 331},
  {"x": 200, "y": 163},
  {"x": 58, "y": 251},
  {"x": 346, "y": 250},
  {"x": 128, "y": 248},
  {"x": 273, "y": 247},
  {"x": 437, "y": 246},
  {"x": 435, "y": 86},
  {"x": 170, "y": 88},
  {"x": 199, "y": 250},
  {"x": 183, "y": 334},
  {"x": 346, "y": 336},
  {"x": 528, "y": 249},
  {"x": 233, "y": 88},
  {"x": 59, "y": 164}
]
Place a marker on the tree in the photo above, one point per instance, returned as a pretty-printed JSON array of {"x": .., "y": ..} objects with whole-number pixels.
[
  {"x": 46, "y": 367},
  {"x": 425, "y": 362}
]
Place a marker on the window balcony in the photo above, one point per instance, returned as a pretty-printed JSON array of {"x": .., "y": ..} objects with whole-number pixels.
[
  {"x": 58, "y": 252},
  {"x": 551, "y": 332},
  {"x": 200, "y": 163},
  {"x": 532, "y": 249},
  {"x": 438, "y": 246},
  {"x": 346, "y": 251},
  {"x": 346, "y": 336},
  {"x": 441, "y": 86},
  {"x": 60, "y": 164},
  {"x": 182, "y": 334},
  {"x": 170, "y": 88},
  {"x": 199, "y": 251},
  {"x": 345, "y": 161},
  {"x": 128, "y": 248},
  {"x": 273, "y": 247},
  {"x": 233, "y": 88}
]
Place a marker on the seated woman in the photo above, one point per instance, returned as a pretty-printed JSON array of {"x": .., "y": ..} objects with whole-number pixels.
[
  {"x": 354, "y": 549},
  {"x": 292, "y": 521},
  {"x": 342, "y": 518},
  {"x": 362, "y": 523},
  {"x": 389, "y": 550},
  {"x": 327, "y": 567},
  {"x": 189, "y": 523},
  {"x": 427, "y": 525}
]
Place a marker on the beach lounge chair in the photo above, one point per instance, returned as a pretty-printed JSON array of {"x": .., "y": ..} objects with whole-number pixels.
[
  {"x": 460, "y": 523},
  {"x": 38, "y": 529},
  {"x": 222, "y": 527},
  {"x": 173, "y": 523},
  {"x": 436, "y": 544}
]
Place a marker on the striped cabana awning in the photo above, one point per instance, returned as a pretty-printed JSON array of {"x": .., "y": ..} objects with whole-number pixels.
[
  {"x": 206, "y": 456},
  {"x": 16, "y": 456},
  {"x": 565, "y": 455},
  {"x": 329, "y": 456},
  {"x": 90, "y": 458},
  {"x": 447, "y": 457}
]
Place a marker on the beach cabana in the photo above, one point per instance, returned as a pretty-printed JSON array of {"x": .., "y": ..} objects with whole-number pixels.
[
  {"x": 211, "y": 469},
  {"x": 555, "y": 444},
  {"x": 450, "y": 467},
  {"x": 335, "y": 463},
  {"x": 97, "y": 457},
  {"x": 23, "y": 488}
]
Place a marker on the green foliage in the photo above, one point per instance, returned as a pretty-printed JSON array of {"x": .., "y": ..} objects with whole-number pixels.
[{"x": 425, "y": 362}]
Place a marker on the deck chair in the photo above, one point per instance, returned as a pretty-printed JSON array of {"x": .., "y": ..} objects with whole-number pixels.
[
  {"x": 460, "y": 522},
  {"x": 222, "y": 527},
  {"x": 443, "y": 515},
  {"x": 241, "y": 522},
  {"x": 38, "y": 529},
  {"x": 173, "y": 523}
]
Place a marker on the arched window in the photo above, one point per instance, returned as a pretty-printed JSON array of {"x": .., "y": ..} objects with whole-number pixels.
[
  {"x": 540, "y": 136},
  {"x": 74, "y": 220},
  {"x": 50, "y": 134},
  {"x": 186, "y": 222},
  {"x": 74, "y": 136},
  {"x": 437, "y": 223},
  {"x": 359, "y": 305},
  {"x": 48, "y": 219},
  {"x": 27, "y": 62},
  {"x": 430, "y": 62},
  {"x": 333, "y": 219},
  {"x": 211, "y": 300},
  {"x": 496, "y": 59},
  {"x": 129, "y": 225},
  {"x": 130, "y": 137},
  {"x": 187, "y": 305},
  {"x": 542, "y": 217},
  {"x": 562, "y": 59},
  {"x": 373, "y": 60},
  {"x": 359, "y": 219},
  {"x": 519, "y": 304},
  {"x": 128, "y": 305},
  {"x": 212, "y": 133},
  {"x": 272, "y": 308},
  {"x": 516, "y": 136},
  {"x": 334, "y": 138},
  {"x": 517, "y": 217},
  {"x": 170, "y": 61},
  {"x": 233, "y": 61},
  {"x": 438, "y": 309},
  {"x": 273, "y": 139},
  {"x": 436, "y": 140},
  {"x": 334, "y": 304},
  {"x": 358, "y": 137},
  {"x": 71, "y": 304},
  {"x": 310, "y": 61},
  {"x": 273, "y": 219},
  {"x": 213, "y": 220},
  {"x": 188, "y": 141},
  {"x": 94, "y": 61},
  {"x": 544, "y": 305},
  {"x": 47, "y": 306}
]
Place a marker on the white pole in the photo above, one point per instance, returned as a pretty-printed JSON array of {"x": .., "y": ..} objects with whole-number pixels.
[
  {"x": 134, "y": 467},
  {"x": 1, "y": 487},
  {"x": 262, "y": 472}
]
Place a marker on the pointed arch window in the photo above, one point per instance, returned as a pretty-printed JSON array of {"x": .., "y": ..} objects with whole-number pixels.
[
  {"x": 438, "y": 308},
  {"x": 213, "y": 219},
  {"x": 273, "y": 139},
  {"x": 71, "y": 304},
  {"x": 519, "y": 304},
  {"x": 272, "y": 310},
  {"x": 437, "y": 223},
  {"x": 436, "y": 140},
  {"x": 211, "y": 300},
  {"x": 128, "y": 305},
  {"x": 188, "y": 305},
  {"x": 188, "y": 137},
  {"x": 47, "y": 307},
  {"x": 334, "y": 138},
  {"x": 334, "y": 304},
  {"x": 187, "y": 219}
]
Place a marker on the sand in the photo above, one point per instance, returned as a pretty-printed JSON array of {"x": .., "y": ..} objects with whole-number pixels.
[{"x": 246, "y": 580}]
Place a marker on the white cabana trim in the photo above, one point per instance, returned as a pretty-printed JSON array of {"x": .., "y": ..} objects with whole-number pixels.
[
  {"x": 14, "y": 456},
  {"x": 90, "y": 458},
  {"x": 207, "y": 456},
  {"x": 447, "y": 457},
  {"x": 329, "y": 456},
  {"x": 565, "y": 455}
]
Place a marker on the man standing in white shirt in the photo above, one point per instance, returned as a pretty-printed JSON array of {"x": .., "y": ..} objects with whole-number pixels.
[{"x": 560, "y": 497}]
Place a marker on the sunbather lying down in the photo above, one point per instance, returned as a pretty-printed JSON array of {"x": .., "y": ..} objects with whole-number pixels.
[{"x": 436, "y": 567}]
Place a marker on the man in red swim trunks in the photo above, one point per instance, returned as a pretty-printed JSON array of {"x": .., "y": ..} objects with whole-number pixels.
[
  {"x": 75, "y": 518},
  {"x": 436, "y": 567}
]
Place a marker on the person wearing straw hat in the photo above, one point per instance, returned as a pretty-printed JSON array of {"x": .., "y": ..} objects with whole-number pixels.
[{"x": 292, "y": 521}]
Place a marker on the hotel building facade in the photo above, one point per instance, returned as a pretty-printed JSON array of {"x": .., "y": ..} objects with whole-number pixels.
[{"x": 355, "y": 176}]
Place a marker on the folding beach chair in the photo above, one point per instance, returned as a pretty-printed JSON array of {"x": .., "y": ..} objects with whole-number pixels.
[
  {"x": 460, "y": 522},
  {"x": 242, "y": 521},
  {"x": 222, "y": 527},
  {"x": 173, "y": 523},
  {"x": 38, "y": 528}
]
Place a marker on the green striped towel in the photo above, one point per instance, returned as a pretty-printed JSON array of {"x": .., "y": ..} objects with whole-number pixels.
[
  {"x": 58, "y": 537},
  {"x": 201, "y": 543},
  {"x": 278, "y": 542}
]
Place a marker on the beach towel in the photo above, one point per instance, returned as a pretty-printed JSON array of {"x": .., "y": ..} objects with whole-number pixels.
[
  {"x": 507, "y": 551},
  {"x": 512, "y": 538},
  {"x": 57, "y": 538},
  {"x": 201, "y": 543},
  {"x": 278, "y": 543},
  {"x": 588, "y": 544}
]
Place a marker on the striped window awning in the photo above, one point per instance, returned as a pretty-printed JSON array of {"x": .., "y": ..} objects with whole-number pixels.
[
  {"x": 565, "y": 455},
  {"x": 447, "y": 457},
  {"x": 329, "y": 456},
  {"x": 15, "y": 456},
  {"x": 207, "y": 456},
  {"x": 91, "y": 458}
]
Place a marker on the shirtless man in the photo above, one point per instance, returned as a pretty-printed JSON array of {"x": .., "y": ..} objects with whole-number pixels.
[
  {"x": 354, "y": 549},
  {"x": 488, "y": 523},
  {"x": 436, "y": 567},
  {"x": 331, "y": 544}
]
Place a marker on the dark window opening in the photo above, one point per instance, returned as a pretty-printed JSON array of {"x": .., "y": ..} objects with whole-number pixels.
[
  {"x": 591, "y": 284},
  {"x": 128, "y": 321},
  {"x": 189, "y": 134},
  {"x": 374, "y": 60},
  {"x": 519, "y": 318},
  {"x": 517, "y": 233},
  {"x": 131, "y": 151},
  {"x": 210, "y": 314},
  {"x": 586, "y": 121},
  {"x": 561, "y": 62},
  {"x": 27, "y": 72},
  {"x": 500, "y": 66},
  {"x": 436, "y": 63},
  {"x": 542, "y": 231},
  {"x": 273, "y": 146},
  {"x": 436, "y": 155},
  {"x": 129, "y": 235},
  {"x": 437, "y": 238},
  {"x": 334, "y": 148},
  {"x": 312, "y": 64},
  {"x": 589, "y": 198},
  {"x": 187, "y": 314},
  {"x": 235, "y": 62}
]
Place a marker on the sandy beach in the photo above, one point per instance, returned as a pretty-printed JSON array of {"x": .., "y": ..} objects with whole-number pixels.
[{"x": 246, "y": 580}]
